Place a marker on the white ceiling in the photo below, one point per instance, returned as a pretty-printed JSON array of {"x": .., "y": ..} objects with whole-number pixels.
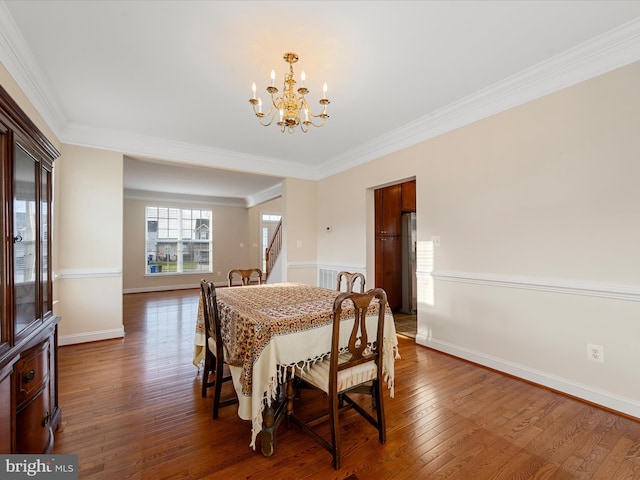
[{"x": 169, "y": 81}]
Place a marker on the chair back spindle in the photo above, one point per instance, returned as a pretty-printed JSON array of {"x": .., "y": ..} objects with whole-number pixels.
[
  {"x": 246, "y": 276},
  {"x": 350, "y": 280}
]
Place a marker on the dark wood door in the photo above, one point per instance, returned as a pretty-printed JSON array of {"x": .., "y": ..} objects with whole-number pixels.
[
  {"x": 409, "y": 196},
  {"x": 389, "y": 268},
  {"x": 388, "y": 204}
]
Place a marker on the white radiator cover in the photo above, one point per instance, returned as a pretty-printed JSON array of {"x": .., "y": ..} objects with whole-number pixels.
[
  {"x": 327, "y": 278},
  {"x": 328, "y": 275}
]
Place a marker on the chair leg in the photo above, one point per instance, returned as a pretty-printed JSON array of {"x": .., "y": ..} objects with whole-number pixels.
[
  {"x": 335, "y": 430},
  {"x": 217, "y": 390},
  {"x": 382, "y": 427},
  {"x": 205, "y": 377},
  {"x": 208, "y": 364}
]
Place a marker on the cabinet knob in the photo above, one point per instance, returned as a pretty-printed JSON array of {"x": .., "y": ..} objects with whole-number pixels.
[
  {"x": 17, "y": 239},
  {"x": 30, "y": 375}
]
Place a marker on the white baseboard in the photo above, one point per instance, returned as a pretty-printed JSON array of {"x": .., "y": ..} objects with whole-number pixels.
[
  {"x": 563, "y": 385},
  {"x": 90, "y": 336}
]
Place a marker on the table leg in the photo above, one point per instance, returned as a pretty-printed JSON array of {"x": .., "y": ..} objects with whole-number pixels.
[
  {"x": 290, "y": 395},
  {"x": 269, "y": 425},
  {"x": 271, "y": 418}
]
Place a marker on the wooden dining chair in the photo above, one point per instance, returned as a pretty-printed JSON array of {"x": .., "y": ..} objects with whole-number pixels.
[
  {"x": 350, "y": 279},
  {"x": 246, "y": 276},
  {"x": 214, "y": 357},
  {"x": 342, "y": 373}
]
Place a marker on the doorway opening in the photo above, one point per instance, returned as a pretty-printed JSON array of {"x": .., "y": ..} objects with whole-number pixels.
[
  {"x": 268, "y": 224},
  {"x": 395, "y": 251}
]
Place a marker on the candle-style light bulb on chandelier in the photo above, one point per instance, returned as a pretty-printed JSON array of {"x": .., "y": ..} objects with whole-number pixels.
[{"x": 289, "y": 108}]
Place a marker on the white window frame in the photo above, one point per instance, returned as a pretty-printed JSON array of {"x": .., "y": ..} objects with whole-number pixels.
[{"x": 183, "y": 227}]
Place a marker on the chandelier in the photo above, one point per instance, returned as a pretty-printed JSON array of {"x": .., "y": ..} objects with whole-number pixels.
[{"x": 289, "y": 107}]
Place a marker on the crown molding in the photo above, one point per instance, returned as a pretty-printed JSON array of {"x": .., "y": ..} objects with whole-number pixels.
[
  {"x": 17, "y": 58},
  {"x": 181, "y": 152},
  {"x": 602, "y": 54},
  {"x": 264, "y": 196},
  {"x": 183, "y": 198},
  {"x": 248, "y": 202},
  {"x": 614, "y": 49}
]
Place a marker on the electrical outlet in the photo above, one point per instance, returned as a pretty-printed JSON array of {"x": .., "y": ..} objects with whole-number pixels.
[{"x": 595, "y": 353}]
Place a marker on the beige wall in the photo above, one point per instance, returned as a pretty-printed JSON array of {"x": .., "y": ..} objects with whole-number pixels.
[
  {"x": 542, "y": 196},
  {"x": 88, "y": 244},
  {"x": 536, "y": 209},
  {"x": 231, "y": 247},
  {"x": 300, "y": 230}
]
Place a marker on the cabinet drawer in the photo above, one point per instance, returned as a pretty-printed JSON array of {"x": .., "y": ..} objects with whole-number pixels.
[
  {"x": 33, "y": 424},
  {"x": 6, "y": 412},
  {"x": 31, "y": 371}
]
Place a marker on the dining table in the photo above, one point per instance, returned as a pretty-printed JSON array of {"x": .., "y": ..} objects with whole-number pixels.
[{"x": 269, "y": 329}]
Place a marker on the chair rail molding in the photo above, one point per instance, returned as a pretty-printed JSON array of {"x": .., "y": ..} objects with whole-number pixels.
[
  {"x": 87, "y": 273},
  {"x": 352, "y": 267},
  {"x": 557, "y": 285}
]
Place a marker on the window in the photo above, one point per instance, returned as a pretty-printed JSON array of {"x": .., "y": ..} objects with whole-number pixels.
[{"x": 178, "y": 240}]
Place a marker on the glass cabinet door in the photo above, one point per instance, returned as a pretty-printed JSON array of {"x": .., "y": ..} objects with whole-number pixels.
[
  {"x": 4, "y": 223},
  {"x": 45, "y": 214},
  {"x": 25, "y": 233}
]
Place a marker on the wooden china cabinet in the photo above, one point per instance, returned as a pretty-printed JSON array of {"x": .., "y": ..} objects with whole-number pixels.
[{"x": 29, "y": 411}]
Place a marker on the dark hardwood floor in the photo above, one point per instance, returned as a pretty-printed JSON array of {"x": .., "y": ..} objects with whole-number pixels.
[{"x": 132, "y": 409}]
